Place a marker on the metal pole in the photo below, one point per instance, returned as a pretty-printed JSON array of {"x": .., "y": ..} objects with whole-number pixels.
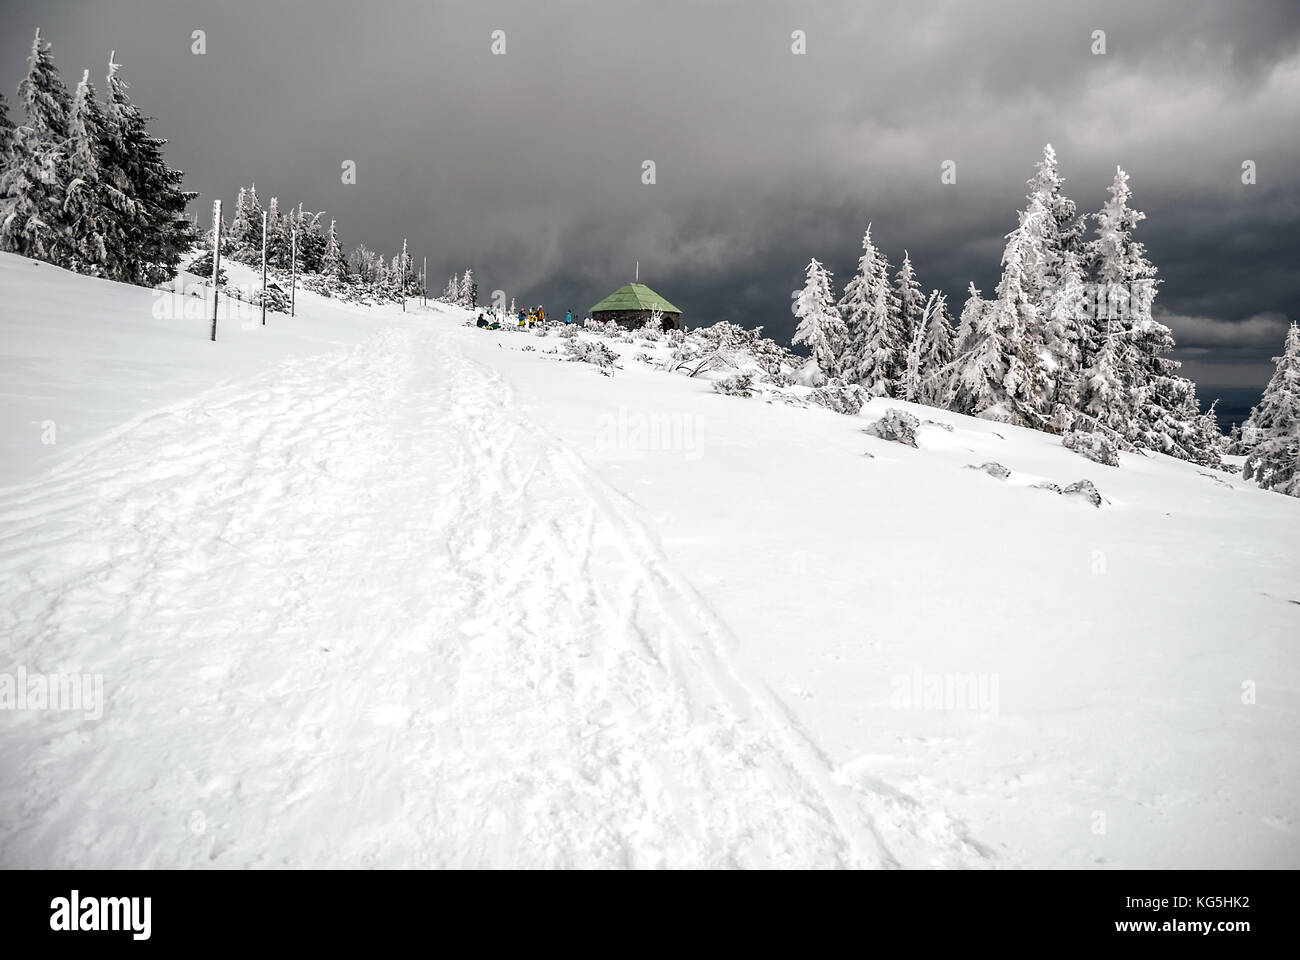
[
  {"x": 216, "y": 261},
  {"x": 263, "y": 268},
  {"x": 293, "y": 268}
]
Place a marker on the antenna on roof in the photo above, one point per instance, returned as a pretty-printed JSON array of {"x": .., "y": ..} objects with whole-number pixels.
[{"x": 638, "y": 271}]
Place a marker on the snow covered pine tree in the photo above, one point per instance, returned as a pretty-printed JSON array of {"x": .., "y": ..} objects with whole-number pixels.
[
  {"x": 1274, "y": 460},
  {"x": 820, "y": 326}
]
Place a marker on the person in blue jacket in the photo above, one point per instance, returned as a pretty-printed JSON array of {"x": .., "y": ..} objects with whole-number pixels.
[
  {"x": 522, "y": 317},
  {"x": 568, "y": 316}
]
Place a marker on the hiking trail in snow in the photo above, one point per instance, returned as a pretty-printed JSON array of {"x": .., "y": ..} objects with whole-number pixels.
[{"x": 360, "y": 611}]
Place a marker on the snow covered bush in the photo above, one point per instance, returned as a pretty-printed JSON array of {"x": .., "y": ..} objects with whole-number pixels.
[
  {"x": 897, "y": 425},
  {"x": 1085, "y": 489},
  {"x": 202, "y": 267},
  {"x": 1094, "y": 446},
  {"x": 845, "y": 398},
  {"x": 597, "y": 354},
  {"x": 692, "y": 357},
  {"x": 277, "y": 300},
  {"x": 741, "y": 385},
  {"x": 993, "y": 469},
  {"x": 569, "y": 332}
]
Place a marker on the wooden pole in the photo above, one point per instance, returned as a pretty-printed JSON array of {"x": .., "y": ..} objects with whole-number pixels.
[
  {"x": 424, "y": 283},
  {"x": 263, "y": 268},
  {"x": 293, "y": 273},
  {"x": 216, "y": 261}
]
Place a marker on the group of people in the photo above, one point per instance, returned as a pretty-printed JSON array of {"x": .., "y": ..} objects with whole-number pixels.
[
  {"x": 537, "y": 314},
  {"x": 527, "y": 318}
]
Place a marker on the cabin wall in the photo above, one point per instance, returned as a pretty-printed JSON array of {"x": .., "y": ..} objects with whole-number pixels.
[{"x": 632, "y": 319}]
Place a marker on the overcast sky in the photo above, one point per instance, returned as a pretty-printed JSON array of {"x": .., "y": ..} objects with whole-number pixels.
[{"x": 528, "y": 166}]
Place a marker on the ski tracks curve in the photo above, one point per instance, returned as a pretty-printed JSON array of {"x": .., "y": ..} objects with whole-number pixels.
[{"x": 362, "y": 611}]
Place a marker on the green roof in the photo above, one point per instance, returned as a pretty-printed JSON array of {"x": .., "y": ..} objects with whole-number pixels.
[{"x": 635, "y": 296}]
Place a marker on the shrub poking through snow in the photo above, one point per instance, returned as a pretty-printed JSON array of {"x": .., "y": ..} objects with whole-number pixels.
[
  {"x": 993, "y": 469},
  {"x": 897, "y": 425},
  {"x": 1094, "y": 446},
  {"x": 845, "y": 398},
  {"x": 1085, "y": 489},
  {"x": 741, "y": 385},
  {"x": 569, "y": 332},
  {"x": 1048, "y": 485},
  {"x": 589, "y": 351},
  {"x": 277, "y": 301}
]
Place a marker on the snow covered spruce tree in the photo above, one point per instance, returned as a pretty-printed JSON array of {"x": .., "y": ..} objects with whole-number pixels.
[
  {"x": 1057, "y": 285},
  {"x": 311, "y": 241},
  {"x": 935, "y": 353},
  {"x": 1001, "y": 376},
  {"x": 875, "y": 353},
  {"x": 156, "y": 229},
  {"x": 246, "y": 227},
  {"x": 6, "y": 133},
  {"x": 468, "y": 287},
  {"x": 34, "y": 184},
  {"x": 1274, "y": 460},
  {"x": 92, "y": 205},
  {"x": 278, "y": 240},
  {"x": 820, "y": 326},
  {"x": 1131, "y": 386},
  {"x": 333, "y": 263},
  {"x": 911, "y": 305}
]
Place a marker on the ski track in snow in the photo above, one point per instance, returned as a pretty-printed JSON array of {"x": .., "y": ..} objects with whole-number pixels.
[{"x": 360, "y": 611}]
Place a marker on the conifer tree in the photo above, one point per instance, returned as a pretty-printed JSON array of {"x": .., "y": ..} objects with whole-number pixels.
[
  {"x": 1154, "y": 407},
  {"x": 820, "y": 326},
  {"x": 1002, "y": 376},
  {"x": 911, "y": 306},
  {"x": 93, "y": 244},
  {"x": 34, "y": 184},
  {"x": 333, "y": 264},
  {"x": 1274, "y": 460},
  {"x": 936, "y": 352},
  {"x": 6, "y": 133},
  {"x": 246, "y": 228},
  {"x": 870, "y": 314},
  {"x": 278, "y": 239},
  {"x": 157, "y": 230}
]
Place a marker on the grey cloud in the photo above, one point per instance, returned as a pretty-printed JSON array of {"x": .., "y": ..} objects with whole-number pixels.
[{"x": 528, "y": 166}]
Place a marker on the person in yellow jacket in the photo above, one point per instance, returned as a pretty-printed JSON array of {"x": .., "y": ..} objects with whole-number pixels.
[
  {"x": 541, "y": 315},
  {"x": 532, "y": 318}
]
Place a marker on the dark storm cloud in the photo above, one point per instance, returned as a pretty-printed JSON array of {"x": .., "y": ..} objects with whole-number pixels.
[{"x": 528, "y": 166}]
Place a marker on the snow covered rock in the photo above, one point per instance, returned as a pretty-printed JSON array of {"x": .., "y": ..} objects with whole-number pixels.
[
  {"x": 1094, "y": 446},
  {"x": 993, "y": 469},
  {"x": 896, "y": 425}
]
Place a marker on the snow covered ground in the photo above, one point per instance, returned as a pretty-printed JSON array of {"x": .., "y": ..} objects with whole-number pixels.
[{"x": 367, "y": 588}]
